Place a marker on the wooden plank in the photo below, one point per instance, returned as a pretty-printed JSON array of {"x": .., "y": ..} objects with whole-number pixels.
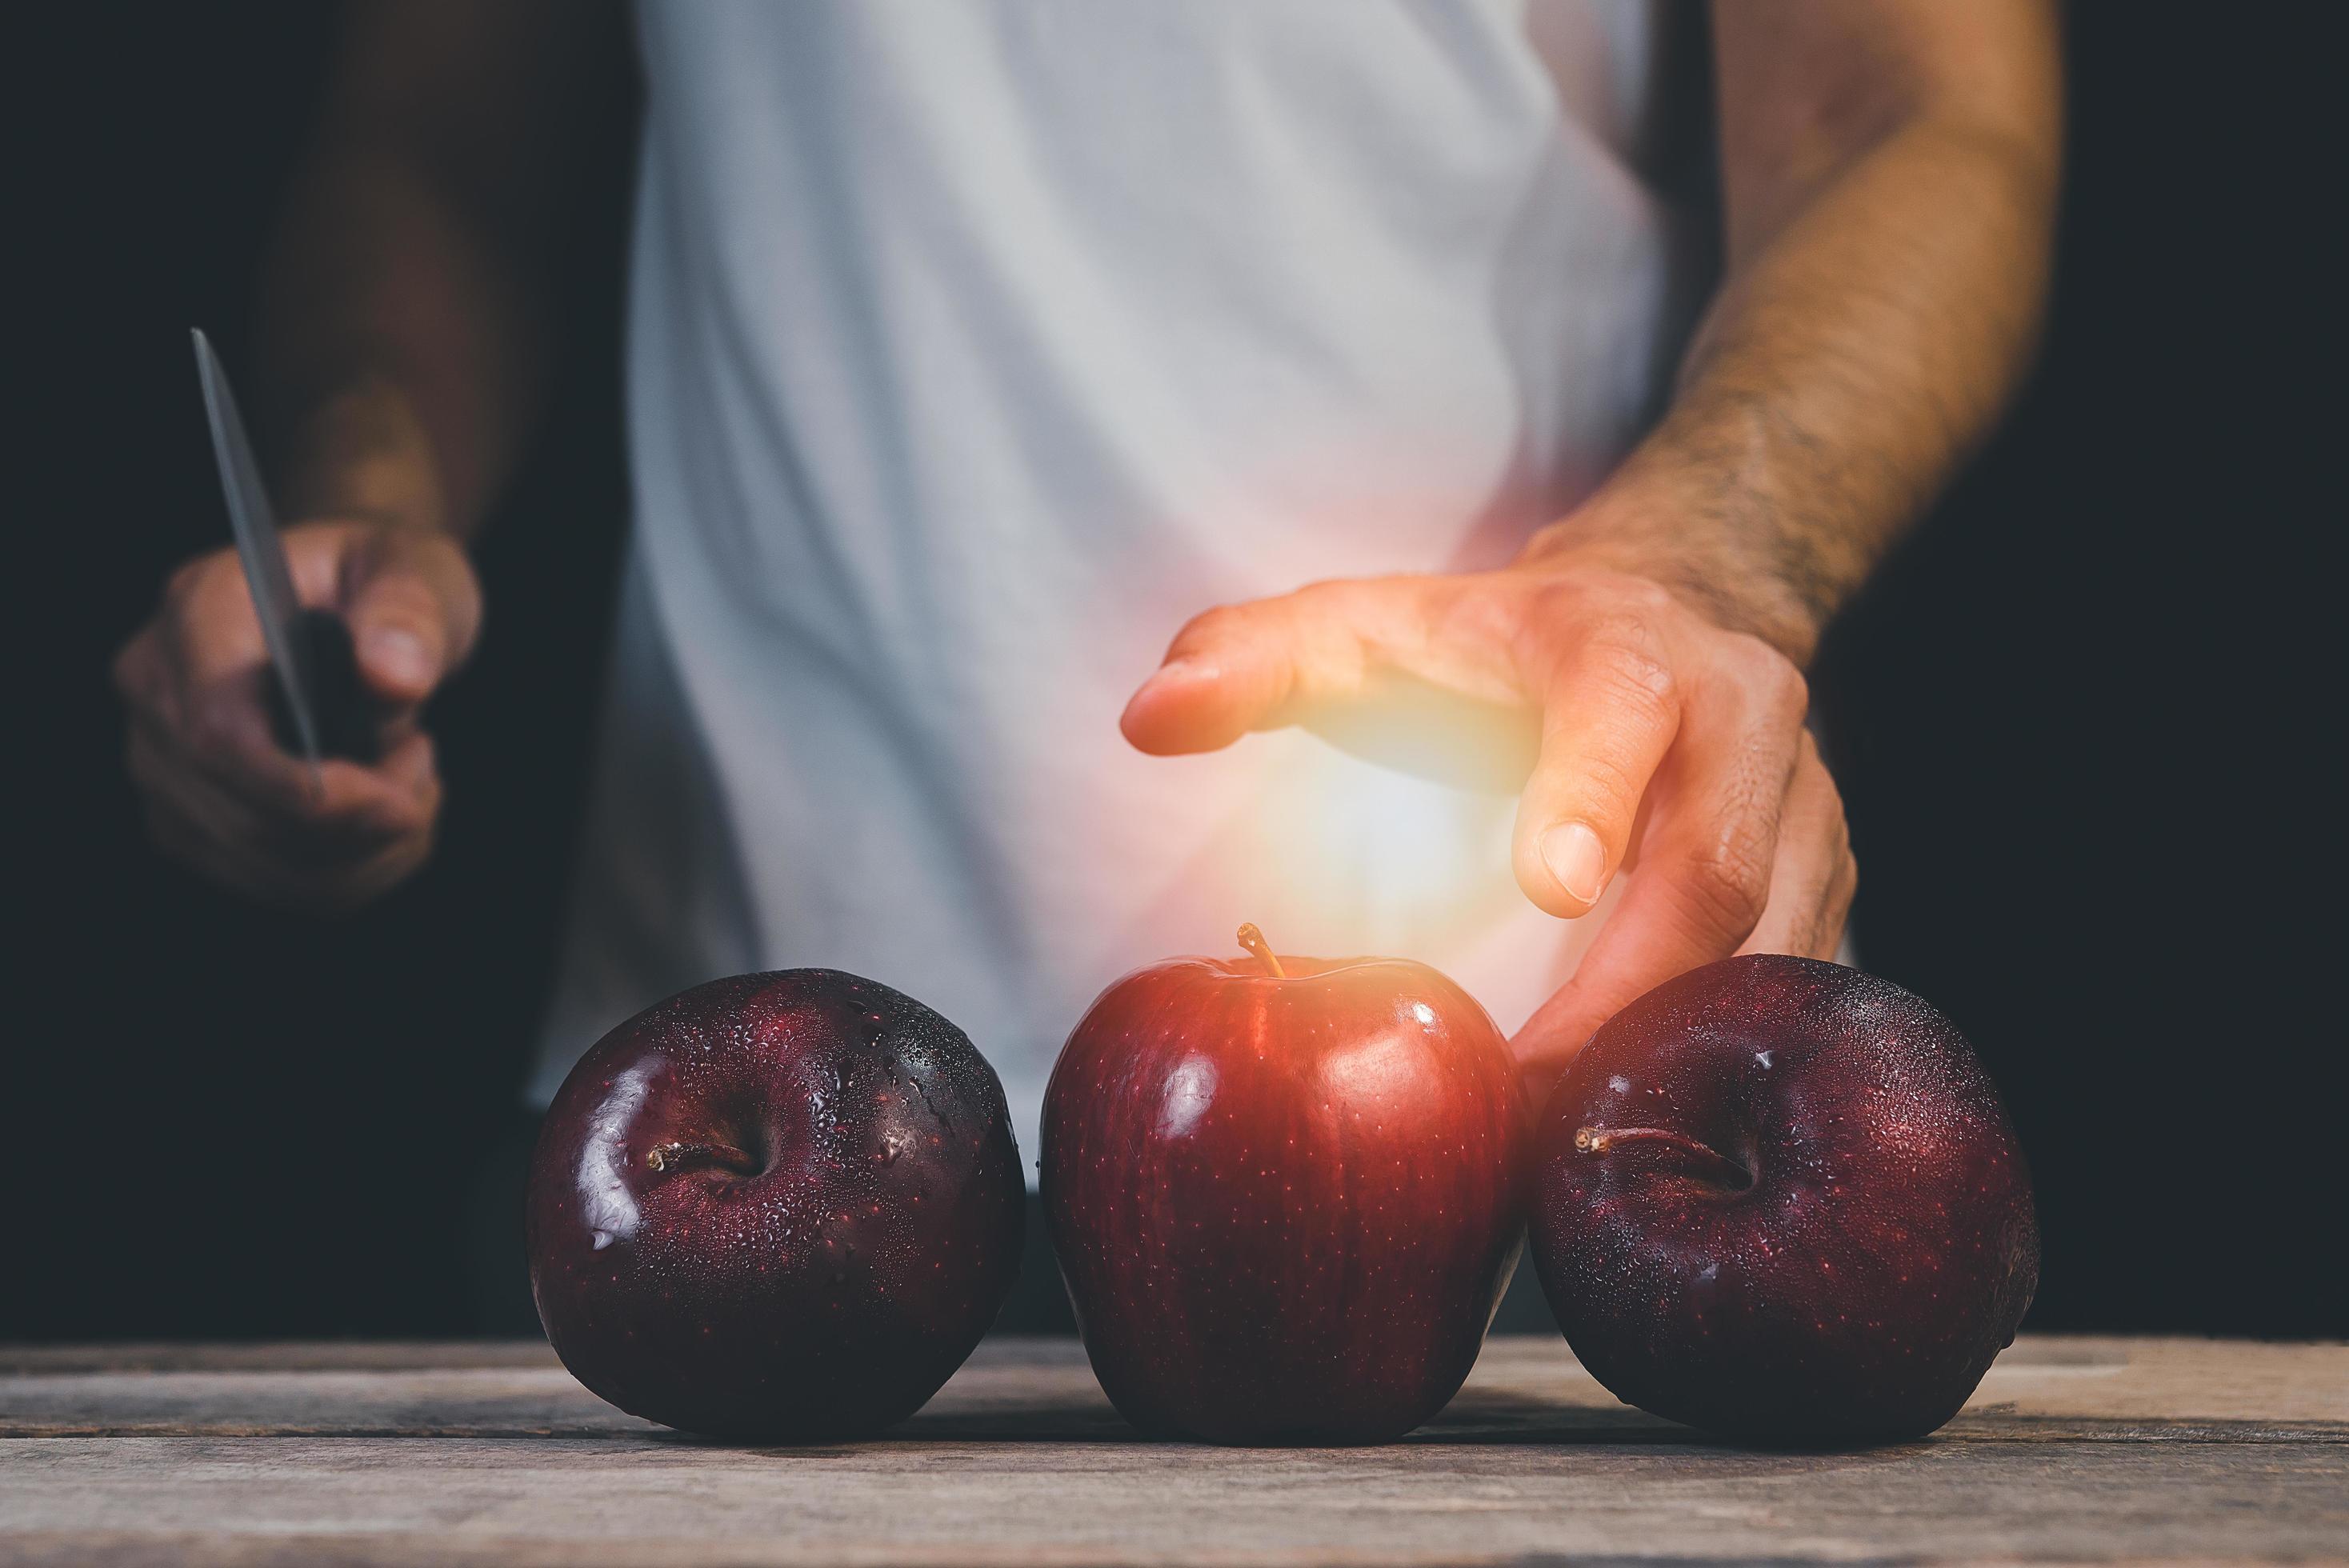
[
  {"x": 459, "y": 1499},
  {"x": 278, "y": 1355},
  {"x": 2084, "y": 1450},
  {"x": 1042, "y": 1388}
]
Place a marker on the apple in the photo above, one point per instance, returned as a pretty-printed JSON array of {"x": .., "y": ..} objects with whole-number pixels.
[
  {"x": 1286, "y": 1194},
  {"x": 1780, "y": 1199},
  {"x": 777, "y": 1207}
]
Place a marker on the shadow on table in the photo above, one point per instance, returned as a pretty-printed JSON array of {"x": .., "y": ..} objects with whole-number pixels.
[{"x": 1470, "y": 1420}]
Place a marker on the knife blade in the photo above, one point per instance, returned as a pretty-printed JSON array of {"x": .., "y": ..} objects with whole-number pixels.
[{"x": 319, "y": 708}]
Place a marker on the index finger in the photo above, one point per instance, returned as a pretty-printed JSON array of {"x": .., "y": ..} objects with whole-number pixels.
[
  {"x": 1611, "y": 713},
  {"x": 1708, "y": 854},
  {"x": 210, "y": 629}
]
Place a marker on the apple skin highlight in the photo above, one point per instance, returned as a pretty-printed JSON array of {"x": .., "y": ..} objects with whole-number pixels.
[
  {"x": 778, "y": 1207},
  {"x": 1781, "y": 1200},
  {"x": 1286, "y": 1194}
]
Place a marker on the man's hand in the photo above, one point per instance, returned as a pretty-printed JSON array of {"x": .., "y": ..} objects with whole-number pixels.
[
  {"x": 405, "y": 350},
  {"x": 1671, "y": 749},
  {"x": 222, "y": 796},
  {"x": 1889, "y": 173}
]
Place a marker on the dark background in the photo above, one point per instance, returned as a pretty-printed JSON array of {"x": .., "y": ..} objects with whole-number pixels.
[{"x": 2077, "y": 718}]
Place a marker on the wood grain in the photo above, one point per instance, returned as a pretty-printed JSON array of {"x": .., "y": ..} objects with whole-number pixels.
[{"x": 2074, "y": 1449}]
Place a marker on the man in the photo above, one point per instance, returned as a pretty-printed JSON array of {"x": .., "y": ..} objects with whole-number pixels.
[{"x": 974, "y": 346}]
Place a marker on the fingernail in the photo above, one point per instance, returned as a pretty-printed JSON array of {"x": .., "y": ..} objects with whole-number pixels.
[
  {"x": 398, "y": 654},
  {"x": 1577, "y": 861}
]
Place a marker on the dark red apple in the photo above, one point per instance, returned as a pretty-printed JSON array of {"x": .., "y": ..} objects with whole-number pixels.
[
  {"x": 1780, "y": 1199},
  {"x": 776, "y": 1207},
  {"x": 1286, "y": 1194}
]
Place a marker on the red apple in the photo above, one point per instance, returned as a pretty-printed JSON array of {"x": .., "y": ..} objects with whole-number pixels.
[
  {"x": 1780, "y": 1199},
  {"x": 780, "y": 1206},
  {"x": 1286, "y": 1194}
]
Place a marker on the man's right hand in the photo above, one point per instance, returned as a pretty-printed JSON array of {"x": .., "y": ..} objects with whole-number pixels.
[{"x": 222, "y": 795}]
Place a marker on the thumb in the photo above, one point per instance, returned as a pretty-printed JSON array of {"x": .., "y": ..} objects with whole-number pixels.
[
  {"x": 412, "y": 617},
  {"x": 1247, "y": 667}
]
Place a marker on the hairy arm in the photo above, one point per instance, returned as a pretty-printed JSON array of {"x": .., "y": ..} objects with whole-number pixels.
[{"x": 1888, "y": 171}]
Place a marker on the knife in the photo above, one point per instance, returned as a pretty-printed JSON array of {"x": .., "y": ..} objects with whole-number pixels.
[{"x": 318, "y": 706}]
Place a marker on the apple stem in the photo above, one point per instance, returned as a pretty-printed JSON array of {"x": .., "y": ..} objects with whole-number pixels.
[
  {"x": 673, "y": 1155},
  {"x": 1253, "y": 940},
  {"x": 1599, "y": 1140}
]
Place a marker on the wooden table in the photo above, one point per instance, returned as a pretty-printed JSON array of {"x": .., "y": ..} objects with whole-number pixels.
[{"x": 2074, "y": 1449}]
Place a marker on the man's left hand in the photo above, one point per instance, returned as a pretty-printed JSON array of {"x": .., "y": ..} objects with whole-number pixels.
[{"x": 1672, "y": 751}]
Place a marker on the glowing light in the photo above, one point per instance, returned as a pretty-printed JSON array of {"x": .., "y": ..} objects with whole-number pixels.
[
  {"x": 1373, "y": 860},
  {"x": 1337, "y": 843}
]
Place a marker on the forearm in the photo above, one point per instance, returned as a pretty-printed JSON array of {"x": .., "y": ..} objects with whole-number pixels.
[
  {"x": 1867, "y": 336},
  {"x": 409, "y": 322},
  {"x": 402, "y": 346}
]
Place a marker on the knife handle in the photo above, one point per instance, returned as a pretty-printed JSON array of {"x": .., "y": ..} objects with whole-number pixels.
[{"x": 348, "y": 719}]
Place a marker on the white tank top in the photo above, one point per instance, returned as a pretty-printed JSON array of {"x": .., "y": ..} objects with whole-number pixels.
[{"x": 973, "y": 348}]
